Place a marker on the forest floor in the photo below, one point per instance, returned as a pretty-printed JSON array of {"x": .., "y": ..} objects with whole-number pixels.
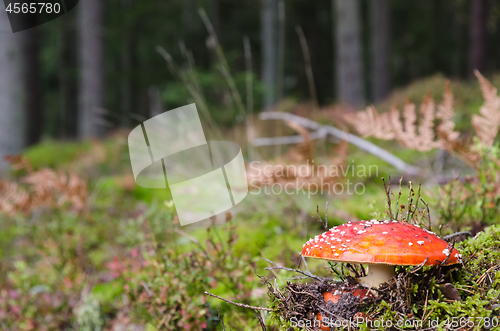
[{"x": 82, "y": 247}]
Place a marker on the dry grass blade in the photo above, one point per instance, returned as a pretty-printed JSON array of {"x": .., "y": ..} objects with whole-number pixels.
[
  {"x": 224, "y": 66},
  {"x": 308, "y": 65},
  {"x": 220, "y": 319},
  {"x": 261, "y": 320},
  {"x": 483, "y": 276}
]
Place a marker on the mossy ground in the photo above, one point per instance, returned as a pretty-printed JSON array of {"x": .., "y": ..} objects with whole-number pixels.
[
  {"x": 415, "y": 300},
  {"x": 125, "y": 262}
]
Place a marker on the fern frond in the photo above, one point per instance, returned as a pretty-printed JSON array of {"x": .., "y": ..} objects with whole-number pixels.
[
  {"x": 369, "y": 123},
  {"x": 487, "y": 124},
  {"x": 307, "y": 147},
  {"x": 45, "y": 187},
  {"x": 410, "y": 120},
  {"x": 425, "y": 141}
]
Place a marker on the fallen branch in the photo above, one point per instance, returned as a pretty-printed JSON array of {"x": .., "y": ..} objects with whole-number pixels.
[
  {"x": 238, "y": 304},
  {"x": 340, "y": 134},
  {"x": 288, "y": 140},
  {"x": 420, "y": 266},
  {"x": 308, "y": 274},
  {"x": 457, "y": 234}
]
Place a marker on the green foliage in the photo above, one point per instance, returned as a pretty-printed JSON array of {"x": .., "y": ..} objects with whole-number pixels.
[
  {"x": 478, "y": 283},
  {"x": 50, "y": 153},
  {"x": 215, "y": 92},
  {"x": 129, "y": 257},
  {"x": 475, "y": 199}
]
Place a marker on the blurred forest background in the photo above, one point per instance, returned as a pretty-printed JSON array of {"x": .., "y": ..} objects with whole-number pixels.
[{"x": 96, "y": 68}]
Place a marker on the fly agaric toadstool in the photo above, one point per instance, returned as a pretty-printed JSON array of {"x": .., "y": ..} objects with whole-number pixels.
[
  {"x": 382, "y": 245},
  {"x": 336, "y": 295}
]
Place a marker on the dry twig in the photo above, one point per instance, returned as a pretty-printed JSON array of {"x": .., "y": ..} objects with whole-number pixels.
[{"x": 238, "y": 304}]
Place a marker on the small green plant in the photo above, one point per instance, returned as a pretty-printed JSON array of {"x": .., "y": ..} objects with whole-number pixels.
[{"x": 474, "y": 200}]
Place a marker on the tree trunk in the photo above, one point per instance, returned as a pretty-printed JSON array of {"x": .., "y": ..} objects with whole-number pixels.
[
  {"x": 188, "y": 13},
  {"x": 32, "y": 85},
  {"x": 380, "y": 49},
  {"x": 126, "y": 96},
  {"x": 215, "y": 16},
  {"x": 349, "y": 67},
  {"x": 155, "y": 102},
  {"x": 269, "y": 39},
  {"x": 91, "y": 68},
  {"x": 478, "y": 35},
  {"x": 12, "y": 118},
  {"x": 68, "y": 77}
]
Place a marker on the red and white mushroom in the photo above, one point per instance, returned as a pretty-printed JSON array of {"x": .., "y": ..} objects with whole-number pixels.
[
  {"x": 382, "y": 245},
  {"x": 335, "y": 295}
]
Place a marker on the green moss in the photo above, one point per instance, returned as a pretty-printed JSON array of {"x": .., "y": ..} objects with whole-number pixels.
[
  {"x": 478, "y": 283},
  {"x": 50, "y": 153}
]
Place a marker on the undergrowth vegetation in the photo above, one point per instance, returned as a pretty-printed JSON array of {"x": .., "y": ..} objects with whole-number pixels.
[{"x": 82, "y": 247}]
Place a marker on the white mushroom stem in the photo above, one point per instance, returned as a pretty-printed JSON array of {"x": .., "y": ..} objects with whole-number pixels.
[{"x": 377, "y": 274}]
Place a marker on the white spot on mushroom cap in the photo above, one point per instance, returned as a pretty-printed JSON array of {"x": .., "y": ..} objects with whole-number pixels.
[
  {"x": 446, "y": 251},
  {"x": 361, "y": 231},
  {"x": 421, "y": 242},
  {"x": 410, "y": 243},
  {"x": 385, "y": 232}
]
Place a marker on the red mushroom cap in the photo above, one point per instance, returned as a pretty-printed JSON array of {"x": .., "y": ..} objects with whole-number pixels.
[
  {"x": 384, "y": 242},
  {"x": 335, "y": 296}
]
